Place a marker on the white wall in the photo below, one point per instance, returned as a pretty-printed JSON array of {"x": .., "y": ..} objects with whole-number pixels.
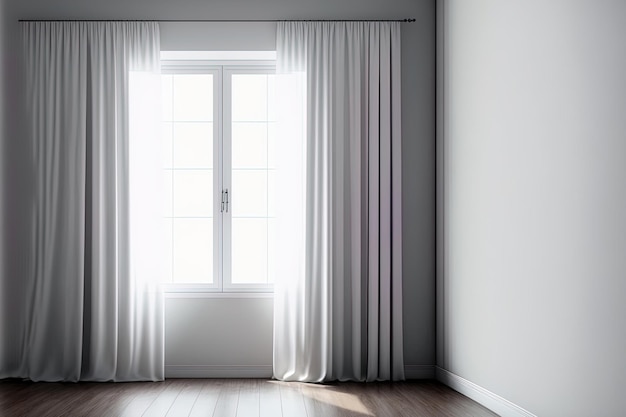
[
  {"x": 232, "y": 338},
  {"x": 418, "y": 141},
  {"x": 534, "y": 192}
]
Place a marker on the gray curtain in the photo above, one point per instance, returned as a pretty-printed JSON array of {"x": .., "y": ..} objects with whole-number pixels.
[{"x": 338, "y": 294}]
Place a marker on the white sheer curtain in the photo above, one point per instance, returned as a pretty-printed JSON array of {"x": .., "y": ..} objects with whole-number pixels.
[
  {"x": 338, "y": 294},
  {"x": 94, "y": 310}
]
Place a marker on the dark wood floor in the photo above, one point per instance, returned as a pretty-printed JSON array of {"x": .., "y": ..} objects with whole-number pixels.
[{"x": 234, "y": 397}]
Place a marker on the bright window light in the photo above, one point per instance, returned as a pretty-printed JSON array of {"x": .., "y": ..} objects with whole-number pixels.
[{"x": 219, "y": 168}]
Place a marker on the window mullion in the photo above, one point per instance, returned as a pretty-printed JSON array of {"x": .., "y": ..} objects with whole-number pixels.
[
  {"x": 226, "y": 175},
  {"x": 218, "y": 161}
]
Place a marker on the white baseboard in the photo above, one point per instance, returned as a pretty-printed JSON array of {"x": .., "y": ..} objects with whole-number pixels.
[
  {"x": 419, "y": 371},
  {"x": 218, "y": 371},
  {"x": 495, "y": 403}
]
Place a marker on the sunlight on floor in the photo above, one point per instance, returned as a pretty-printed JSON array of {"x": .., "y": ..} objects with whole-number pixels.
[{"x": 328, "y": 395}]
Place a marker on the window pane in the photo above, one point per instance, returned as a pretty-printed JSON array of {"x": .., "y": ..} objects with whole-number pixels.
[
  {"x": 271, "y": 193},
  {"x": 167, "y": 246},
  {"x": 193, "y": 251},
  {"x": 193, "y": 98},
  {"x": 193, "y": 193},
  {"x": 249, "y": 97},
  {"x": 167, "y": 193},
  {"x": 249, "y": 193},
  {"x": 188, "y": 178},
  {"x": 193, "y": 145},
  {"x": 249, "y": 145},
  {"x": 272, "y": 135},
  {"x": 249, "y": 251},
  {"x": 250, "y": 157},
  {"x": 272, "y": 235}
]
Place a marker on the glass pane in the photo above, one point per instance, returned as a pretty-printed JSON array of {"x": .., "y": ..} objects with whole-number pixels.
[
  {"x": 271, "y": 193},
  {"x": 272, "y": 235},
  {"x": 167, "y": 247},
  {"x": 166, "y": 96},
  {"x": 249, "y": 251},
  {"x": 166, "y": 136},
  {"x": 167, "y": 193},
  {"x": 249, "y": 97},
  {"x": 193, "y": 251},
  {"x": 248, "y": 196},
  {"x": 193, "y": 193},
  {"x": 193, "y": 98},
  {"x": 187, "y": 135},
  {"x": 193, "y": 145},
  {"x": 272, "y": 136},
  {"x": 249, "y": 145}
]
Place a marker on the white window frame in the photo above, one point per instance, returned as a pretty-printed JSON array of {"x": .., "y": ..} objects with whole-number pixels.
[
  {"x": 228, "y": 72},
  {"x": 222, "y": 70}
]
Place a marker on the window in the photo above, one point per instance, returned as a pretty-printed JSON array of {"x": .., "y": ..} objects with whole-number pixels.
[{"x": 218, "y": 170}]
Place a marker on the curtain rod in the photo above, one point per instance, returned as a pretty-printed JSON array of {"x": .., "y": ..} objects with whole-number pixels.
[{"x": 220, "y": 20}]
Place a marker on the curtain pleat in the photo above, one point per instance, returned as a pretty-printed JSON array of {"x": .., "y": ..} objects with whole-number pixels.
[
  {"x": 338, "y": 309},
  {"x": 87, "y": 315}
]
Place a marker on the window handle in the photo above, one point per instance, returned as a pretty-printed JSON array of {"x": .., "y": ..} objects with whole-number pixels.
[
  {"x": 227, "y": 200},
  {"x": 222, "y": 205}
]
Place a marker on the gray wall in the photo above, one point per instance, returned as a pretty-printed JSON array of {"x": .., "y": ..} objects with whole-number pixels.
[
  {"x": 2, "y": 136},
  {"x": 418, "y": 142},
  {"x": 534, "y": 202},
  {"x": 14, "y": 187}
]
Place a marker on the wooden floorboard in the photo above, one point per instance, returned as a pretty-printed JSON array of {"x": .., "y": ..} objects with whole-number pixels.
[
  {"x": 184, "y": 402},
  {"x": 207, "y": 399},
  {"x": 291, "y": 399},
  {"x": 235, "y": 398},
  {"x": 139, "y": 398},
  {"x": 229, "y": 398},
  {"x": 248, "y": 404},
  {"x": 269, "y": 399}
]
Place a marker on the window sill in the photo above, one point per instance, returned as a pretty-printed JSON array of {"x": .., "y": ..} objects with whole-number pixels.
[{"x": 215, "y": 294}]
